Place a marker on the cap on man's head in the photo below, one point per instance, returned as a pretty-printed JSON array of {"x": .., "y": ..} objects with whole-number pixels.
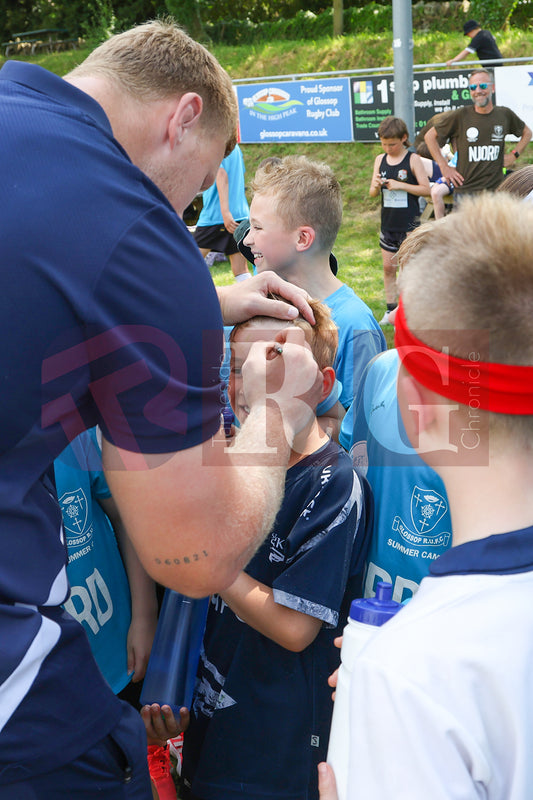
[{"x": 471, "y": 25}]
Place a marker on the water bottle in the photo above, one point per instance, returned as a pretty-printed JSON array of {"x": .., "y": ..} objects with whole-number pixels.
[
  {"x": 366, "y": 615},
  {"x": 171, "y": 671}
]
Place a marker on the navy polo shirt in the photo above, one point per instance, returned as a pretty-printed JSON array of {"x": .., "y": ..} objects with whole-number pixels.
[
  {"x": 107, "y": 316},
  {"x": 499, "y": 554}
]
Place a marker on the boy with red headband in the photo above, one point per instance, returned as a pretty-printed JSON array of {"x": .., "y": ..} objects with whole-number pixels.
[{"x": 441, "y": 698}]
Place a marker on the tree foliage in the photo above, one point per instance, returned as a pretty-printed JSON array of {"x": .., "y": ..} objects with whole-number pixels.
[
  {"x": 493, "y": 14},
  {"x": 93, "y": 17},
  {"x": 231, "y": 21}
]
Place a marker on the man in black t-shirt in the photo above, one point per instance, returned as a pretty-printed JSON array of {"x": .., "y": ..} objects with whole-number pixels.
[{"x": 483, "y": 44}]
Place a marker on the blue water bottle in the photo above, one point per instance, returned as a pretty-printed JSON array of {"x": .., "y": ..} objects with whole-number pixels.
[
  {"x": 366, "y": 617},
  {"x": 171, "y": 671}
]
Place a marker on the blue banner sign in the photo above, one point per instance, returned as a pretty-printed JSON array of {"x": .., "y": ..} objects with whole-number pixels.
[{"x": 296, "y": 111}]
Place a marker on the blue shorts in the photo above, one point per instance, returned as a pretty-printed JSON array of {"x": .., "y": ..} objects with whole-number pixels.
[
  {"x": 449, "y": 185},
  {"x": 116, "y": 768}
]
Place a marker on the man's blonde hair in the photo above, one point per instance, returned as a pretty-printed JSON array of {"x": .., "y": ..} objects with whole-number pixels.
[
  {"x": 322, "y": 337},
  {"x": 474, "y": 274},
  {"x": 306, "y": 193},
  {"x": 158, "y": 59}
]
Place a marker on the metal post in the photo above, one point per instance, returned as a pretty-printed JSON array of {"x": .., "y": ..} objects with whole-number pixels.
[{"x": 402, "y": 44}]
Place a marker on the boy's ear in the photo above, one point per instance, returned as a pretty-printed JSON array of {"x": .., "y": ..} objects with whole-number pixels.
[
  {"x": 328, "y": 382},
  {"x": 416, "y": 412},
  {"x": 428, "y": 419},
  {"x": 185, "y": 115},
  {"x": 306, "y": 237}
]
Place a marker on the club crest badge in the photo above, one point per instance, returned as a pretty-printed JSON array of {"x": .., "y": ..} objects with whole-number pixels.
[
  {"x": 75, "y": 510},
  {"x": 427, "y": 509}
]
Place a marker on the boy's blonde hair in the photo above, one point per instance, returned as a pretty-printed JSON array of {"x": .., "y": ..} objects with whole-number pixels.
[
  {"x": 413, "y": 242},
  {"x": 306, "y": 193},
  {"x": 519, "y": 182},
  {"x": 322, "y": 337},
  {"x": 157, "y": 60},
  {"x": 474, "y": 273}
]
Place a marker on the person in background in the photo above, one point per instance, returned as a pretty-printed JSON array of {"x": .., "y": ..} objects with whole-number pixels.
[
  {"x": 482, "y": 43},
  {"x": 478, "y": 134},
  {"x": 442, "y": 188},
  {"x": 224, "y": 207},
  {"x": 111, "y": 594},
  {"x": 399, "y": 179},
  {"x": 464, "y": 390}
]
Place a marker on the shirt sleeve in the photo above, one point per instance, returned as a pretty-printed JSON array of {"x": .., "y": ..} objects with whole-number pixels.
[
  {"x": 99, "y": 487},
  {"x": 447, "y": 128},
  {"x": 330, "y": 530},
  {"x": 516, "y": 125},
  {"x": 155, "y": 346},
  {"x": 354, "y": 427}
]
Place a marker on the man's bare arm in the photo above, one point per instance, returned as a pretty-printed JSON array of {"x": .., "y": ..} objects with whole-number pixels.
[
  {"x": 222, "y": 182},
  {"x": 459, "y": 57},
  {"x": 197, "y": 516},
  {"x": 433, "y": 146}
]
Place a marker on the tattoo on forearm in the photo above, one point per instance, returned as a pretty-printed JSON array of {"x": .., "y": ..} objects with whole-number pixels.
[{"x": 171, "y": 562}]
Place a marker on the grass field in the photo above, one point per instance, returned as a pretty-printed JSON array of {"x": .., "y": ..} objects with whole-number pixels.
[{"x": 357, "y": 247}]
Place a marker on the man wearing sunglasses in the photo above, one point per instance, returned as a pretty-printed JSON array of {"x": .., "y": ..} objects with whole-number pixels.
[{"x": 479, "y": 132}]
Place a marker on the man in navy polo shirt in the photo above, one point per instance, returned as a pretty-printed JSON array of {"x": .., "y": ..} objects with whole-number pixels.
[{"x": 108, "y": 316}]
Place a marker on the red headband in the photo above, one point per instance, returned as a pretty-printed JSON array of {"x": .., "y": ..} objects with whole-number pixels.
[{"x": 504, "y": 388}]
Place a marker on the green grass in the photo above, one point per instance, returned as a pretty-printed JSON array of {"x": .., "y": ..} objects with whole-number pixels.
[{"x": 357, "y": 247}]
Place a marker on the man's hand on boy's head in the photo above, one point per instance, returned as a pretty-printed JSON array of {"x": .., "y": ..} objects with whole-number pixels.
[
  {"x": 247, "y": 299},
  {"x": 284, "y": 371}
]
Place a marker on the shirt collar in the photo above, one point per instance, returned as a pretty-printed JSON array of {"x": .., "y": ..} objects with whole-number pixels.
[
  {"x": 500, "y": 554},
  {"x": 41, "y": 80}
]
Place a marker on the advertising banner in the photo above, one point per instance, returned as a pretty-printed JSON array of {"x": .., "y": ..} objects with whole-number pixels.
[
  {"x": 434, "y": 92},
  {"x": 296, "y": 111},
  {"x": 515, "y": 90}
]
